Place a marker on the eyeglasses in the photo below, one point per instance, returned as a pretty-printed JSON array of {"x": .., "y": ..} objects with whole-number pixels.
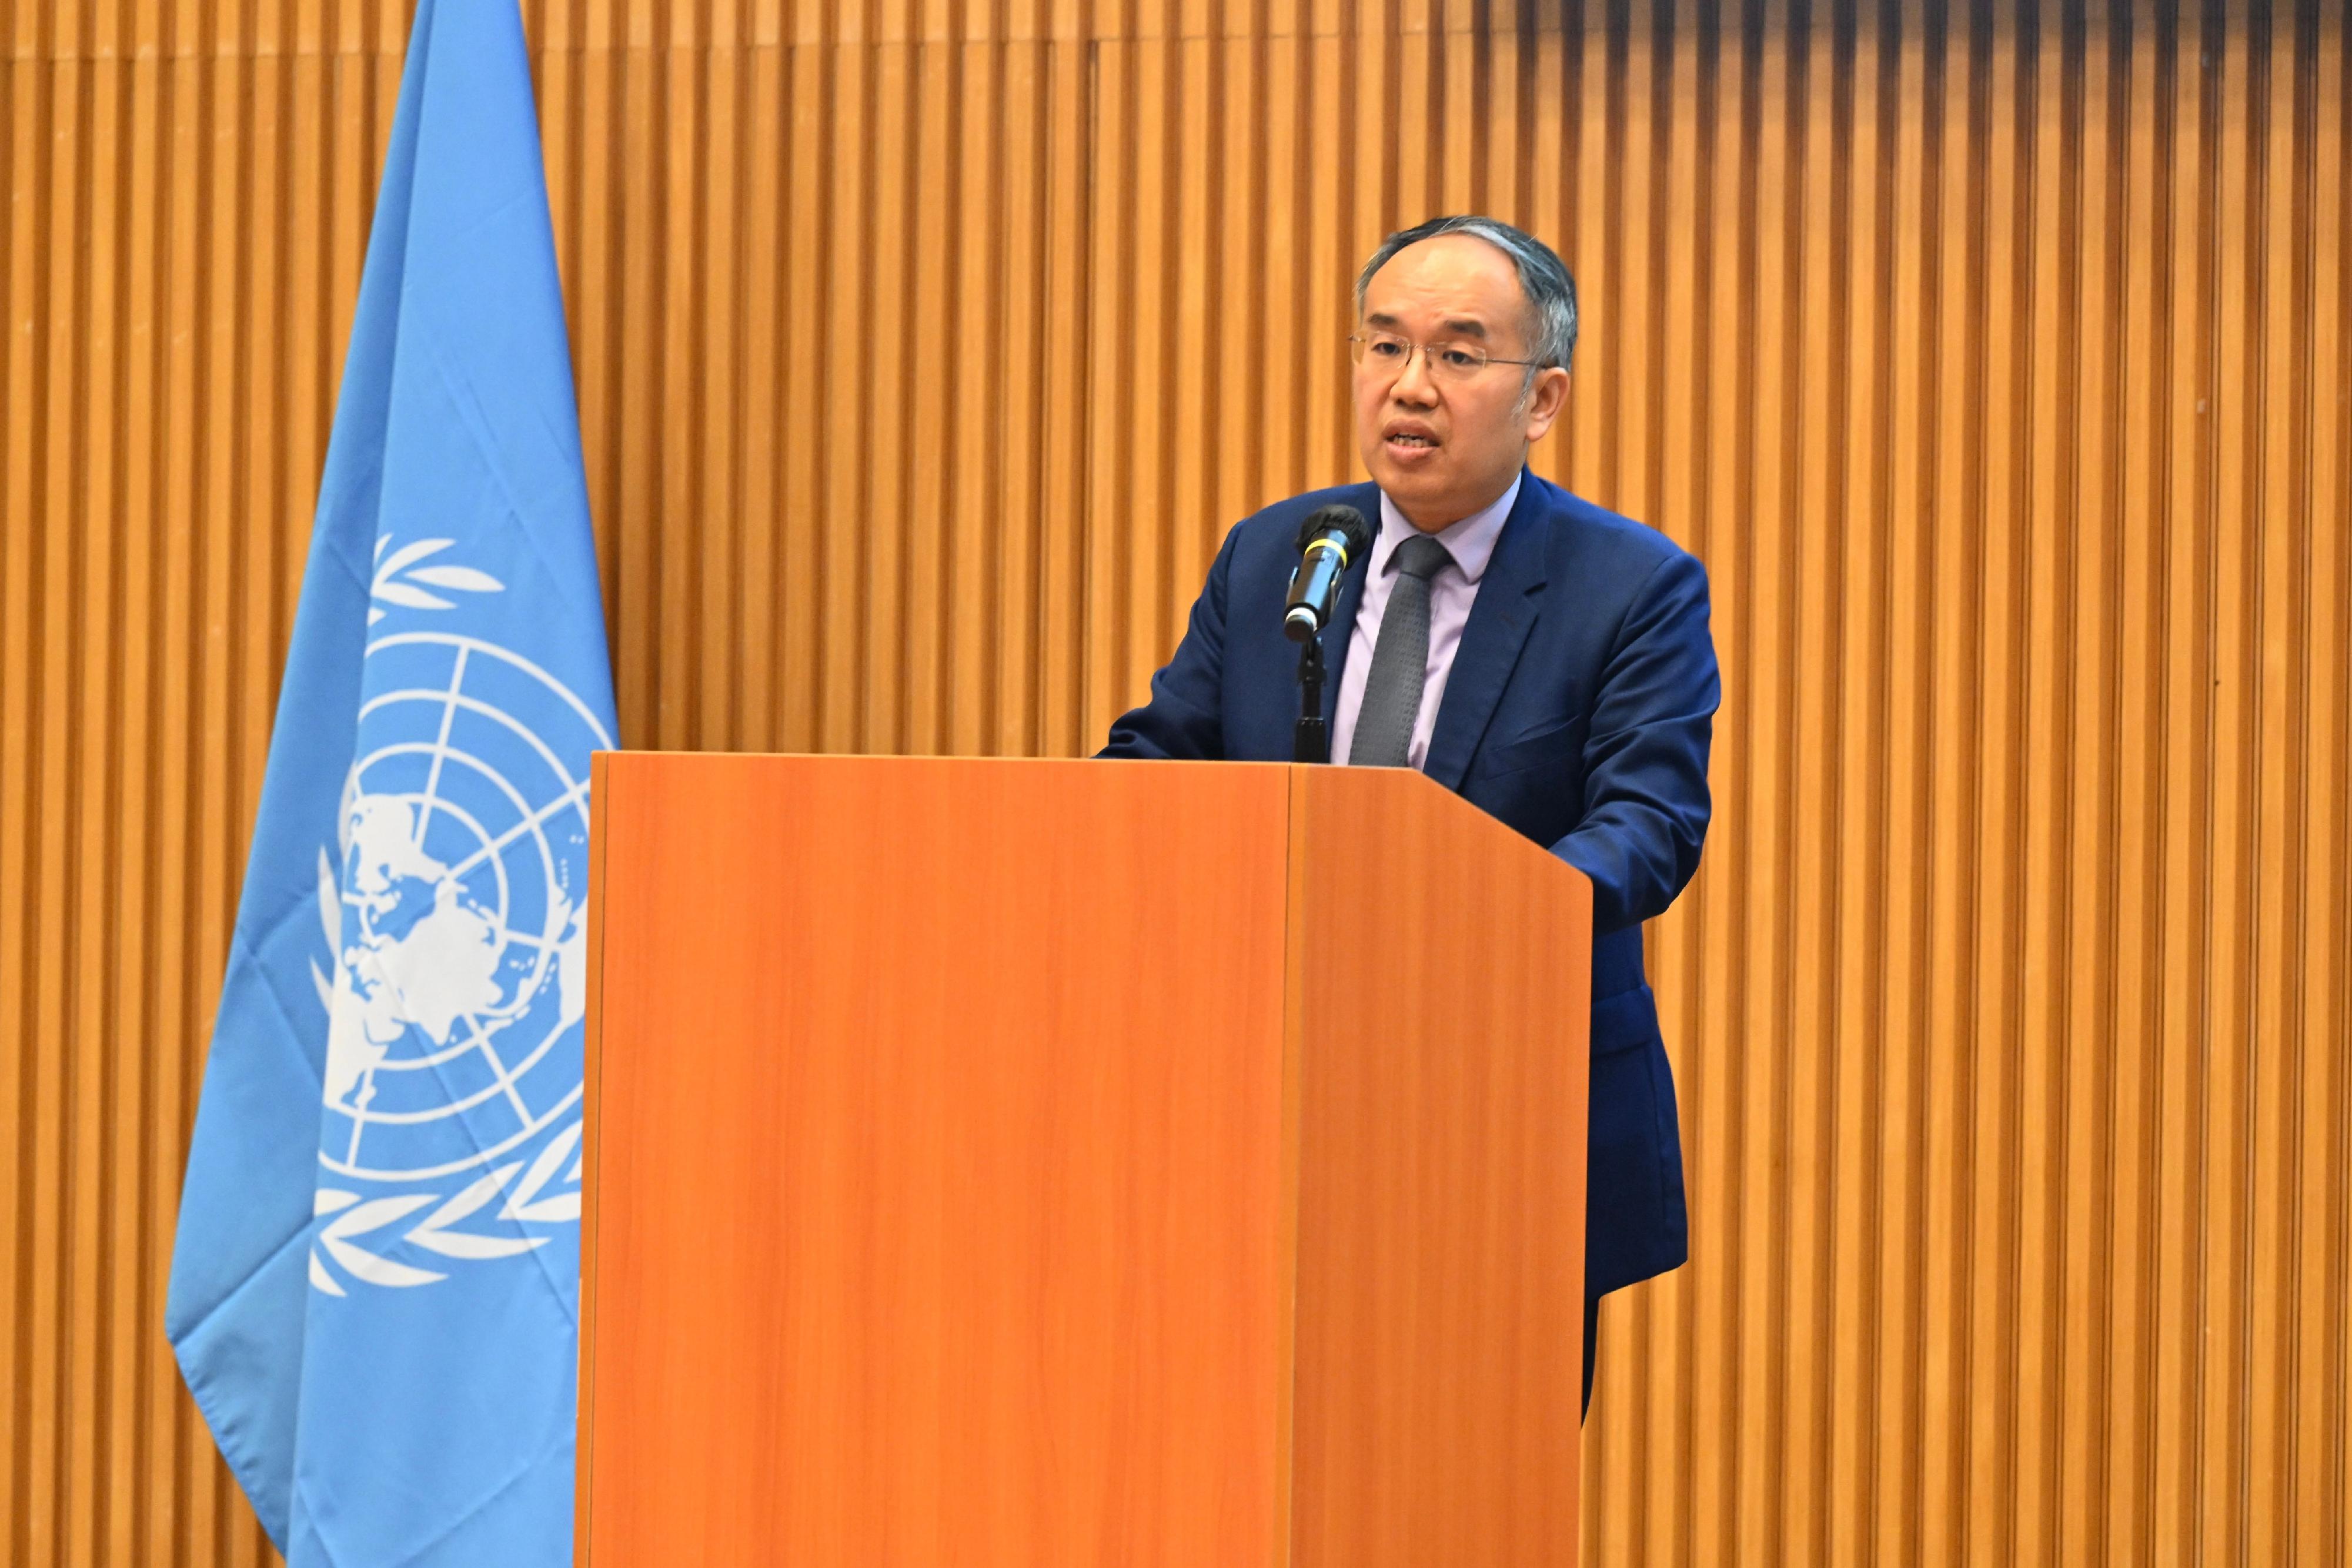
[{"x": 1452, "y": 361}]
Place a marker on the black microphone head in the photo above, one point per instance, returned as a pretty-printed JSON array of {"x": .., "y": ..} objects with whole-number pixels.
[{"x": 1345, "y": 521}]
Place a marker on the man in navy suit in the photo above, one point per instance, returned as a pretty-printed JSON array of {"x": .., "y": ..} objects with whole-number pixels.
[{"x": 1547, "y": 659}]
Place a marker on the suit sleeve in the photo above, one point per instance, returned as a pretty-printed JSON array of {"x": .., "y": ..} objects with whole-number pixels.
[
  {"x": 1184, "y": 717},
  {"x": 1646, "y": 796}
]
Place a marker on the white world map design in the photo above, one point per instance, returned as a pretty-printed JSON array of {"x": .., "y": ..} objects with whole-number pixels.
[{"x": 455, "y": 976}]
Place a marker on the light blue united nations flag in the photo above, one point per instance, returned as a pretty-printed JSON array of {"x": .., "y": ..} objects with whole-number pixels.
[{"x": 375, "y": 1283}]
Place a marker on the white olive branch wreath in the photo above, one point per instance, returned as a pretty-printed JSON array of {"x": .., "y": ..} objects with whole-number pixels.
[
  {"x": 528, "y": 1203},
  {"x": 398, "y": 575}
]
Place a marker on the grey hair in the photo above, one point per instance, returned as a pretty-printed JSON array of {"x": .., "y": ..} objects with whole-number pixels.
[{"x": 1543, "y": 279}]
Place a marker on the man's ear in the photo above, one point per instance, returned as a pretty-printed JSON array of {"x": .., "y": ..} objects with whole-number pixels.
[{"x": 1546, "y": 395}]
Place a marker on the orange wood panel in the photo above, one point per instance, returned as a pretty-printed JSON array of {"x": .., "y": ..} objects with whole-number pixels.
[
  {"x": 937, "y": 1144},
  {"x": 1443, "y": 997}
]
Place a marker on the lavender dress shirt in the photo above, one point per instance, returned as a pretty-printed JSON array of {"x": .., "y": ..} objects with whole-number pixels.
[{"x": 1471, "y": 543}]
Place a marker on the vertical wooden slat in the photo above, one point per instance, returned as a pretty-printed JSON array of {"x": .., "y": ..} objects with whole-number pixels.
[
  {"x": 144, "y": 1413},
  {"x": 674, "y": 66},
  {"x": 2185, "y": 456},
  {"x": 1058, "y": 661},
  {"x": 1710, "y": 1084},
  {"x": 1892, "y": 1472},
  {"x": 717, "y": 360},
  {"x": 1952, "y": 401},
  {"x": 2041, "y": 829},
  {"x": 977, "y": 549},
  {"x": 1765, "y": 612},
  {"x": 2001, "y": 906},
  {"x": 24, "y": 1357},
  {"x": 932, "y": 223},
  {"x": 1856, "y": 1249},
  {"x": 1679, "y": 118},
  {"x": 2320, "y": 1456},
  {"x": 2083, "y": 1178},
  {"x": 18, "y": 119},
  {"x": 760, "y": 152},
  {"x": 1817, "y": 322},
  {"x": 2277, "y": 1111},
  {"x": 810, "y": 360},
  {"x": 2128, "y": 1352}
]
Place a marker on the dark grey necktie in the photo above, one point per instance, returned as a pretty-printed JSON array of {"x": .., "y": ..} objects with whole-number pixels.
[{"x": 1400, "y": 660}]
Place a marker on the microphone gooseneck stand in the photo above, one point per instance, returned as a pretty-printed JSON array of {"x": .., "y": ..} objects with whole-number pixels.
[
  {"x": 1330, "y": 537},
  {"x": 1311, "y": 741}
]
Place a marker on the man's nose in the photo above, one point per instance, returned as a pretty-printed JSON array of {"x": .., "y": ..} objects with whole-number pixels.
[{"x": 1414, "y": 384}]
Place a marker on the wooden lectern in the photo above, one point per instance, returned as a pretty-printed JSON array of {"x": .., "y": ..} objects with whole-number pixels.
[{"x": 1022, "y": 1164}]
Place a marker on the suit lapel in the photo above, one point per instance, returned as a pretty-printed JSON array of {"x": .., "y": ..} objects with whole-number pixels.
[{"x": 1509, "y": 597}]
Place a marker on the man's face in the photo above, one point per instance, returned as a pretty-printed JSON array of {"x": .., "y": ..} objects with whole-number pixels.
[{"x": 1442, "y": 446}]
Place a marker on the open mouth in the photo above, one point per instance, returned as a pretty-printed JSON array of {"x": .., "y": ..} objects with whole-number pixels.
[{"x": 1410, "y": 441}]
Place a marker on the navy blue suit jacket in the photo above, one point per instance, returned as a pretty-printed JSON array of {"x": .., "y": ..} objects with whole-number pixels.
[{"x": 1578, "y": 711}]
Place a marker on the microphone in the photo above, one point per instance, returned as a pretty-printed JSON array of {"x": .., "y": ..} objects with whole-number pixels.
[{"x": 1329, "y": 539}]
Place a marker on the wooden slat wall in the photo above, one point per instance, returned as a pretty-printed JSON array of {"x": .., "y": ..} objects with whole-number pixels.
[{"x": 1996, "y": 359}]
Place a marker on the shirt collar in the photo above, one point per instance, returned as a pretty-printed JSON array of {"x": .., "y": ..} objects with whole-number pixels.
[{"x": 1471, "y": 542}]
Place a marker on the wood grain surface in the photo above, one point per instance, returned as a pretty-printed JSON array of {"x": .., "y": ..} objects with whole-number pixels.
[
  {"x": 938, "y": 1138},
  {"x": 1100, "y": 1193},
  {"x": 1446, "y": 984}
]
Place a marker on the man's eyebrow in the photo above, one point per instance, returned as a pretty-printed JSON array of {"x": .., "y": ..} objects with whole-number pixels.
[{"x": 1460, "y": 326}]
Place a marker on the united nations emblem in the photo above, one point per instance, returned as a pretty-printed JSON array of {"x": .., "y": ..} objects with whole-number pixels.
[{"x": 453, "y": 909}]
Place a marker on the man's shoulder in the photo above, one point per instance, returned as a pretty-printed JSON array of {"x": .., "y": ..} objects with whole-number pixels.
[{"x": 1592, "y": 543}]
